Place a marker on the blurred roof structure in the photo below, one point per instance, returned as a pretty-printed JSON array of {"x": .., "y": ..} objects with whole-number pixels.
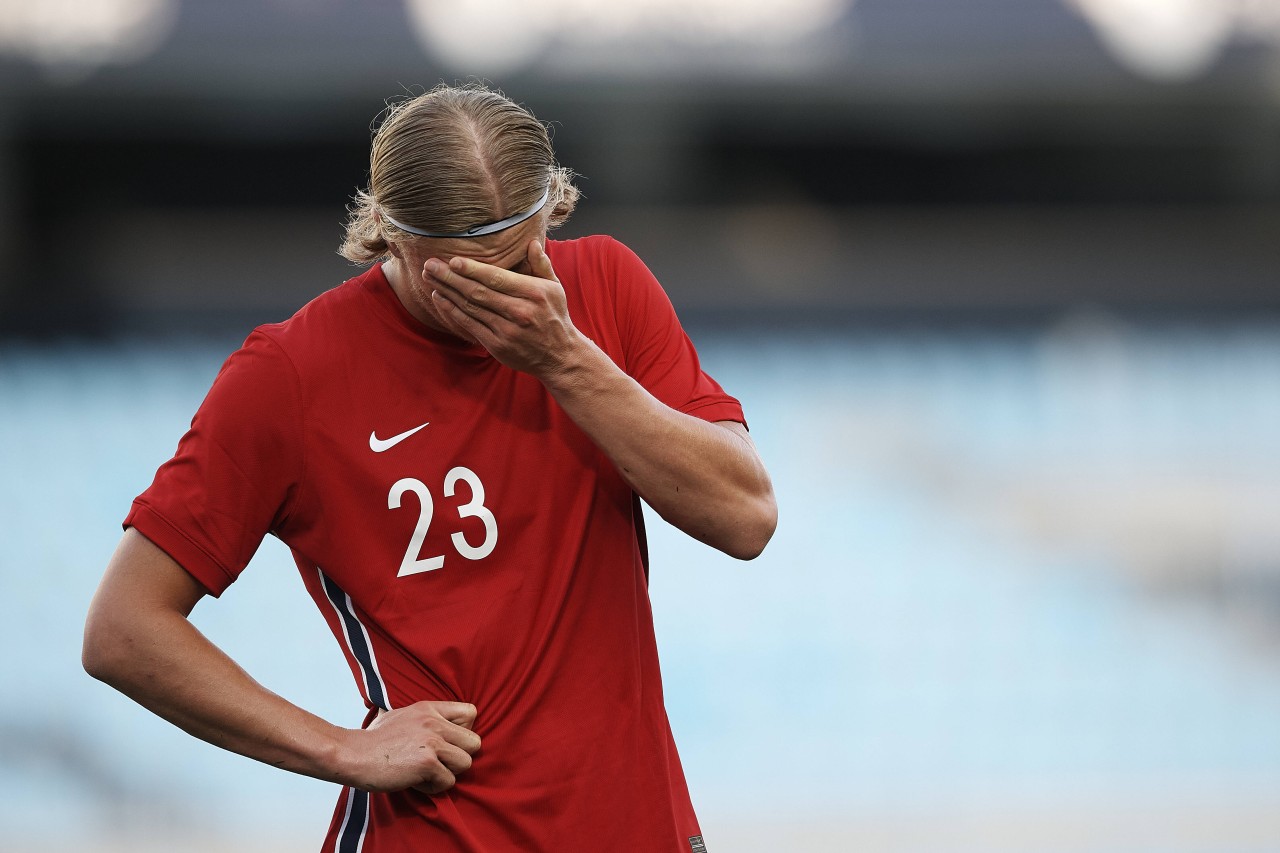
[
  {"x": 1012, "y": 154},
  {"x": 325, "y": 48}
]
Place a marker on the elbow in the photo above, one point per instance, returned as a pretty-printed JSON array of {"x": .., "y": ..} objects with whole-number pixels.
[
  {"x": 105, "y": 649},
  {"x": 758, "y": 524},
  {"x": 95, "y": 655}
]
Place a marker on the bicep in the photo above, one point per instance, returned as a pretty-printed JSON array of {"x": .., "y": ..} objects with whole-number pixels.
[
  {"x": 142, "y": 577},
  {"x": 143, "y": 596}
]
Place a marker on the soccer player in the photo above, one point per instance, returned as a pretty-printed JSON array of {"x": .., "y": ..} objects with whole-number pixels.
[{"x": 453, "y": 445}]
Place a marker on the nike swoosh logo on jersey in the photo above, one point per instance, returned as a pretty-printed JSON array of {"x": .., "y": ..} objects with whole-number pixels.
[{"x": 377, "y": 445}]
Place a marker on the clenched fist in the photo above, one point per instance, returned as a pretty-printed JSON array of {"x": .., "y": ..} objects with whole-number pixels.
[{"x": 424, "y": 746}]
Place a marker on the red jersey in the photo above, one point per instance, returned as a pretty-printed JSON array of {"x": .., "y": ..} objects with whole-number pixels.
[{"x": 465, "y": 541}]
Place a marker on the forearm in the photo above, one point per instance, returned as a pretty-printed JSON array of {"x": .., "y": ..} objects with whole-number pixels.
[
  {"x": 701, "y": 477},
  {"x": 138, "y": 639},
  {"x": 164, "y": 663}
]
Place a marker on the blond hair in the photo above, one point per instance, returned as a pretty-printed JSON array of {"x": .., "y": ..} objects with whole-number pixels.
[{"x": 449, "y": 159}]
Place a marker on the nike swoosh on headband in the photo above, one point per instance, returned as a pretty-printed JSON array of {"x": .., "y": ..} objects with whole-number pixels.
[{"x": 475, "y": 230}]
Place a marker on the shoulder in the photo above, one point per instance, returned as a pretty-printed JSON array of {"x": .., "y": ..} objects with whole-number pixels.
[
  {"x": 317, "y": 326},
  {"x": 601, "y": 263},
  {"x": 255, "y": 376},
  {"x": 276, "y": 360},
  {"x": 592, "y": 249}
]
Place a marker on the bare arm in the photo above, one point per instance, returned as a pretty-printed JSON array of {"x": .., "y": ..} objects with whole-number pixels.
[
  {"x": 704, "y": 478},
  {"x": 138, "y": 639}
]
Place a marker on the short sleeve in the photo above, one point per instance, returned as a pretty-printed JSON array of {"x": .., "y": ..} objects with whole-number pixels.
[
  {"x": 657, "y": 352},
  {"x": 235, "y": 471}
]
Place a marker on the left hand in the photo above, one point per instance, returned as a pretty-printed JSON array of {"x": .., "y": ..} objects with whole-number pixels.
[{"x": 522, "y": 320}]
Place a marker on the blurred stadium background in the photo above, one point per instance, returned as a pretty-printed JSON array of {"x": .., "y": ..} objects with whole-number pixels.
[{"x": 996, "y": 279}]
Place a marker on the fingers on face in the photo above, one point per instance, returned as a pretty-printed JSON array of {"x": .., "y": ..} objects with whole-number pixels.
[
  {"x": 467, "y": 275},
  {"x": 492, "y": 277},
  {"x": 470, "y": 295},
  {"x": 449, "y": 299},
  {"x": 465, "y": 314},
  {"x": 441, "y": 277}
]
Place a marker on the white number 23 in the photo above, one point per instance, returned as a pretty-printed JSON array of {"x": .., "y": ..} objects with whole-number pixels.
[{"x": 474, "y": 508}]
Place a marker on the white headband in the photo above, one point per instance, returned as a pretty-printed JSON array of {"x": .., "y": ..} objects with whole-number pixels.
[{"x": 476, "y": 230}]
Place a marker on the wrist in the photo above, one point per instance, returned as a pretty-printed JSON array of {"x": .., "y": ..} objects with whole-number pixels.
[
  {"x": 336, "y": 759},
  {"x": 574, "y": 366}
]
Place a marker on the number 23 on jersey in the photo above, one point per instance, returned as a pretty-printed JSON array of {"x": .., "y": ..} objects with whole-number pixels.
[{"x": 413, "y": 561}]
